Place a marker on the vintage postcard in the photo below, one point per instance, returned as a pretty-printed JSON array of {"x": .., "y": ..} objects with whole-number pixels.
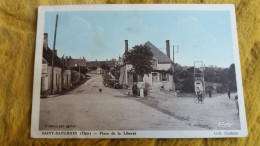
[{"x": 137, "y": 71}]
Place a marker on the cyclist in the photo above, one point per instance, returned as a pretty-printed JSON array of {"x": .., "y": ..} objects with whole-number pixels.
[{"x": 199, "y": 94}]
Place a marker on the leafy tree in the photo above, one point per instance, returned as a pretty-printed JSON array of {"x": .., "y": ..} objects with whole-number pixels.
[
  {"x": 115, "y": 72},
  {"x": 105, "y": 66},
  {"x": 216, "y": 75},
  {"x": 141, "y": 59},
  {"x": 183, "y": 78}
]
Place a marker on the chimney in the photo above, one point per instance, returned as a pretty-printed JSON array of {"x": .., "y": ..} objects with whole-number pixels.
[
  {"x": 45, "y": 41},
  {"x": 168, "y": 48},
  {"x": 126, "y": 45}
]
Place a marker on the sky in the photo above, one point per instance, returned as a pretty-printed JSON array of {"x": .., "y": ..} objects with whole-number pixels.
[{"x": 99, "y": 35}]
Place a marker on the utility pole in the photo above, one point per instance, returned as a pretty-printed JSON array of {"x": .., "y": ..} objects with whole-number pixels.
[
  {"x": 173, "y": 54},
  {"x": 173, "y": 63},
  {"x": 53, "y": 54},
  {"x": 79, "y": 69}
]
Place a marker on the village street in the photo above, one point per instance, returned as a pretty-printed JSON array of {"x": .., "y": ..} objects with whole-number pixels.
[{"x": 85, "y": 108}]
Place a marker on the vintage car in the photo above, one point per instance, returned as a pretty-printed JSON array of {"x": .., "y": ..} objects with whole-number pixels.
[{"x": 114, "y": 83}]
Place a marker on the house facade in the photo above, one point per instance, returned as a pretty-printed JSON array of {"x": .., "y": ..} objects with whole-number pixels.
[
  {"x": 49, "y": 85},
  {"x": 161, "y": 78},
  {"x": 63, "y": 71},
  {"x": 74, "y": 65}
]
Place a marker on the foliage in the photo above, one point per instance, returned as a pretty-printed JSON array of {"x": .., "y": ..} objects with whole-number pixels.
[
  {"x": 221, "y": 89},
  {"x": 216, "y": 75},
  {"x": 141, "y": 59},
  {"x": 106, "y": 79},
  {"x": 115, "y": 72},
  {"x": 113, "y": 59},
  {"x": 93, "y": 67},
  {"x": 105, "y": 66},
  {"x": 183, "y": 78}
]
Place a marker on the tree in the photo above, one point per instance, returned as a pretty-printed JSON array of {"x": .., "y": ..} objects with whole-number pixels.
[
  {"x": 105, "y": 66},
  {"x": 141, "y": 59},
  {"x": 115, "y": 72}
]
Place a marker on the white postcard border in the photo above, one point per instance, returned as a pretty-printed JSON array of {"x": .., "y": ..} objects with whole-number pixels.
[{"x": 36, "y": 133}]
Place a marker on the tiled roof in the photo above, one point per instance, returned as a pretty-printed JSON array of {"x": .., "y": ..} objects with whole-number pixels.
[
  {"x": 158, "y": 54},
  {"x": 79, "y": 62},
  {"x": 47, "y": 55}
]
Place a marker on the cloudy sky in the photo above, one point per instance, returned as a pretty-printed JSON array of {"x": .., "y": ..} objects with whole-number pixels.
[{"x": 197, "y": 35}]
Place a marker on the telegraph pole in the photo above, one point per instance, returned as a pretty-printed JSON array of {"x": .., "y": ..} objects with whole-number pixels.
[
  {"x": 53, "y": 54},
  {"x": 79, "y": 68},
  {"x": 173, "y": 63}
]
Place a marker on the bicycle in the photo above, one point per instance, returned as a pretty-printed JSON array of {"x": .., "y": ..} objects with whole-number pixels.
[{"x": 199, "y": 99}]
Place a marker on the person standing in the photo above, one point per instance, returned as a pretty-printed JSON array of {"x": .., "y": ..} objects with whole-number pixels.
[
  {"x": 210, "y": 91},
  {"x": 199, "y": 94},
  {"x": 134, "y": 89},
  {"x": 236, "y": 98},
  {"x": 228, "y": 92}
]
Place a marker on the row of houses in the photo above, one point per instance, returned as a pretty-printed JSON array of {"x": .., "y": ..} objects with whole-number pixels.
[
  {"x": 67, "y": 72},
  {"x": 63, "y": 74}
]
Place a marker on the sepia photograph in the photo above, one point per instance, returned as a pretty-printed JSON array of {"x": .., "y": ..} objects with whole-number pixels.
[{"x": 137, "y": 71}]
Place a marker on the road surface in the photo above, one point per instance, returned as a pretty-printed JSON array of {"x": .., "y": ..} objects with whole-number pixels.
[{"x": 85, "y": 108}]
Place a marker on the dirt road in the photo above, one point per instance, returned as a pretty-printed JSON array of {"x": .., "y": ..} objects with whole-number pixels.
[
  {"x": 218, "y": 112},
  {"x": 85, "y": 108}
]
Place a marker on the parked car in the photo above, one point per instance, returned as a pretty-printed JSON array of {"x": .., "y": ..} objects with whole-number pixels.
[{"x": 113, "y": 83}]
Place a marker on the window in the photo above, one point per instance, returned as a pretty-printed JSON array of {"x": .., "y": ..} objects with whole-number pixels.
[
  {"x": 165, "y": 76},
  {"x": 154, "y": 77},
  {"x": 154, "y": 63}
]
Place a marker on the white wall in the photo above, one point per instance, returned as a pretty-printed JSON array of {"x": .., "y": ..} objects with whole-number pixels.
[
  {"x": 164, "y": 66},
  {"x": 66, "y": 82},
  {"x": 56, "y": 83},
  {"x": 167, "y": 85}
]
